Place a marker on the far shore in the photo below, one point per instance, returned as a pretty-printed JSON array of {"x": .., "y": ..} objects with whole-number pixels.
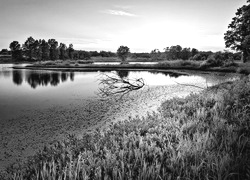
[{"x": 241, "y": 68}]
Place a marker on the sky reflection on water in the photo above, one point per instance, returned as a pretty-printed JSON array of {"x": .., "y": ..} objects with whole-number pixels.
[{"x": 28, "y": 90}]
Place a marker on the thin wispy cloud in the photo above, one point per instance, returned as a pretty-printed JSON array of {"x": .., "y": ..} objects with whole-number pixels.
[{"x": 119, "y": 13}]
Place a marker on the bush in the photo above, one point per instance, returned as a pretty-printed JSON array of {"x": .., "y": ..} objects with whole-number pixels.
[
  {"x": 211, "y": 62},
  {"x": 49, "y": 63}
]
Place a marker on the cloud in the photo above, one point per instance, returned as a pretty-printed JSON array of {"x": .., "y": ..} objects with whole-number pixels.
[{"x": 119, "y": 13}]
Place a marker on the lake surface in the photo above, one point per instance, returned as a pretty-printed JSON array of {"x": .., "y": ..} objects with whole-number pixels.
[{"x": 22, "y": 91}]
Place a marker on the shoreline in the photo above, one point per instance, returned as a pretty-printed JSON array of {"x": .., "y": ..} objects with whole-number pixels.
[
  {"x": 23, "y": 136},
  {"x": 138, "y": 67}
]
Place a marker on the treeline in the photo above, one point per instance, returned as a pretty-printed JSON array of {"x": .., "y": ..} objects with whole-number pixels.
[
  {"x": 42, "y": 50},
  {"x": 177, "y": 52}
]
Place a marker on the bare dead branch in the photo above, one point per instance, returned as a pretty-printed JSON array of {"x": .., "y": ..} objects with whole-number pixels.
[{"x": 111, "y": 85}]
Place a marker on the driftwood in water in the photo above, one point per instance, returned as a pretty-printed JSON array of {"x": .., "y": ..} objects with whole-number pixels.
[{"x": 114, "y": 84}]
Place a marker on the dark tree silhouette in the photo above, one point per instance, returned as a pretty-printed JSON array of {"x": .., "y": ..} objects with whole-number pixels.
[
  {"x": 238, "y": 35},
  {"x": 155, "y": 54},
  {"x": 63, "y": 51},
  {"x": 45, "y": 50},
  {"x": 122, "y": 53},
  {"x": 29, "y": 48},
  {"x": 70, "y": 51},
  {"x": 16, "y": 50},
  {"x": 53, "y": 49}
]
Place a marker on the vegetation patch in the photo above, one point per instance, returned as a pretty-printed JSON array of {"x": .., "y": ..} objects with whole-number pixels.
[{"x": 202, "y": 136}]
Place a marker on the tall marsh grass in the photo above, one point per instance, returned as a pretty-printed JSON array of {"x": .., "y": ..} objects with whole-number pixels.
[
  {"x": 180, "y": 63},
  {"x": 202, "y": 136}
]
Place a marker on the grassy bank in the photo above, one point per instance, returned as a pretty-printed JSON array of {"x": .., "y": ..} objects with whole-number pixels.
[
  {"x": 116, "y": 59},
  {"x": 202, "y": 136},
  {"x": 83, "y": 65}
]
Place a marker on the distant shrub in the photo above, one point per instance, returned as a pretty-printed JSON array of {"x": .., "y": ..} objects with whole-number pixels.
[
  {"x": 164, "y": 64},
  {"x": 199, "y": 57},
  {"x": 58, "y": 61},
  {"x": 67, "y": 63},
  {"x": 49, "y": 63},
  {"x": 211, "y": 62},
  {"x": 179, "y": 63}
]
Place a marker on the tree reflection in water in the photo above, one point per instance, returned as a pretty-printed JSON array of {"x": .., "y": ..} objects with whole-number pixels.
[
  {"x": 36, "y": 78},
  {"x": 122, "y": 73},
  {"x": 55, "y": 79},
  {"x": 118, "y": 84},
  {"x": 5, "y": 74},
  {"x": 17, "y": 77},
  {"x": 169, "y": 73}
]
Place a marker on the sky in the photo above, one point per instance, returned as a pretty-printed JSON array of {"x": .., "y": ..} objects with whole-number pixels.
[{"x": 142, "y": 25}]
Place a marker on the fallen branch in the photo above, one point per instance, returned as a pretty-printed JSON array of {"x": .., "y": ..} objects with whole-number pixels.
[{"x": 111, "y": 85}]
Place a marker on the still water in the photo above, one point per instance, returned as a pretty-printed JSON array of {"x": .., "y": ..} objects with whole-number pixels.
[{"x": 26, "y": 90}]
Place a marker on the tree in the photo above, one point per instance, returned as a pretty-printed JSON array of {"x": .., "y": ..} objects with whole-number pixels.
[
  {"x": 94, "y": 53},
  {"x": 185, "y": 53},
  {"x": 53, "y": 49},
  {"x": 70, "y": 51},
  {"x": 63, "y": 51},
  {"x": 29, "y": 48},
  {"x": 16, "y": 50},
  {"x": 174, "y": 52},
  {"x": 4, "y": 52},
  {"x": 194, "y": 52},
  {"x": 75, "y": 55},
  {"x": 84, "y": 55},
  {"x": 155, "y": 54},
  {"x": 45, "y": 50},
  {"x": 122, "y": 53},
  {"x": 37, "y": 49},
  {"x": 238, "y": 35}
]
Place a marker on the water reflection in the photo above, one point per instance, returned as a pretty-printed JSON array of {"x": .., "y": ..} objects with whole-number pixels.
[
  {"x": 170, "y": 74},
  {"x": 72, "y": 76},
  {"x": 17, "y": 77},
  {"x": 44, "y": 78},
  {"x": 111, "y": 84},
  {"x": 122, "y": 73},
  {"x": 4, "y": 71}
]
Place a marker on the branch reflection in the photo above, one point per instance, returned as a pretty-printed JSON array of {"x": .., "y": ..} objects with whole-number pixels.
[{"x": 118, "y": 84}]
